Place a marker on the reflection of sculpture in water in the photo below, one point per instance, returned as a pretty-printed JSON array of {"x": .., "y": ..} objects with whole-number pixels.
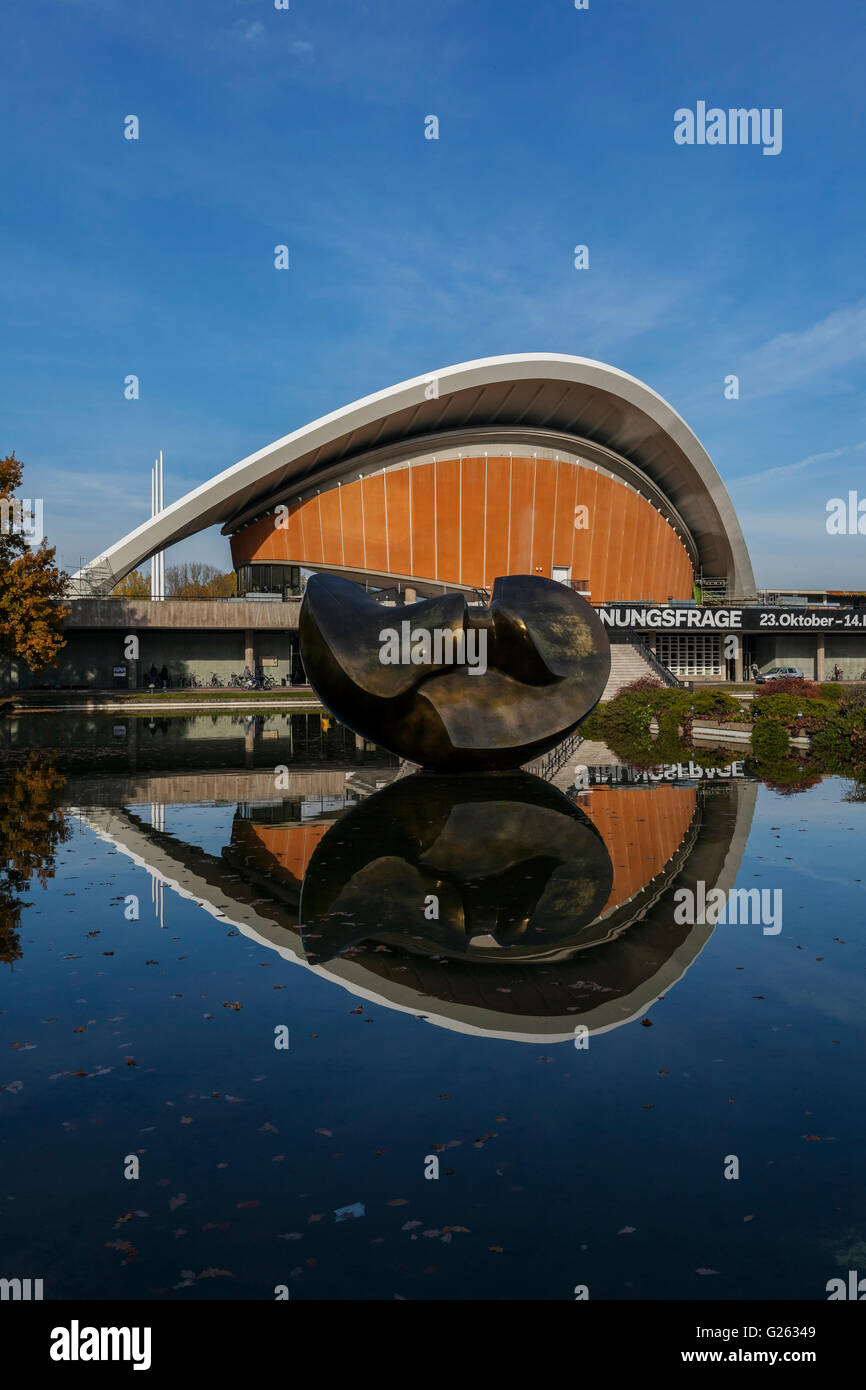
[
  {"x": 31, "y": 828},
  {"x": 465, "y": 866},
  {"x": 546, "y": 915},
  {"x": 546, "y": 660},
  {"x": 549, "y": 915}
]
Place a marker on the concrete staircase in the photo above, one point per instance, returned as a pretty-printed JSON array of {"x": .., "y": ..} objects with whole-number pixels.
[{"x": 627, "y": 664}]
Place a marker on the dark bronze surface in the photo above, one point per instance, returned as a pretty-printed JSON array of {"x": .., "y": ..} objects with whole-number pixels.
[
  {"x": 547, "y": 663},
  {"x": 515, "y": 870}
]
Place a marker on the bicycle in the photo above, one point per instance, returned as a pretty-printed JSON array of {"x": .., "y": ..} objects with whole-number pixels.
[{"x": 216, "y": 683}]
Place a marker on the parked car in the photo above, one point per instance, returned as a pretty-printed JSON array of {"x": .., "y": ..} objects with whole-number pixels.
[{"x": 779, "y": 673}]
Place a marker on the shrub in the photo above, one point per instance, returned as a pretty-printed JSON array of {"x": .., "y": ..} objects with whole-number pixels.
[
  {"x": 854, "y": 700},
  {"x": 841, "y": 741},
  {"x": 792, "y": 710},
  {"x": 769, "y": 741},
  {"x": 629, "y": 714},
  {"x": 592, "y": 727},
  {"x": 643, "y": 683},
  {"x": 713, "y": 704},
  {"x": 792, "y": 685}
]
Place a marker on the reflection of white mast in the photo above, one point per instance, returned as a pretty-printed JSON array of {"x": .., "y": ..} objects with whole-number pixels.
[
  {"x": 157, "y": 502},
  {"x": 157, "y": 897},
  {"x": 157, "y": 883}
]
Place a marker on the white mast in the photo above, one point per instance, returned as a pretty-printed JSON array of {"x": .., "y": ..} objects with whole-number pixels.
[
  {"x": 161, "y": 507},
  {"x": 157, "y": 503},
  {"x": 153, "y": 514}
]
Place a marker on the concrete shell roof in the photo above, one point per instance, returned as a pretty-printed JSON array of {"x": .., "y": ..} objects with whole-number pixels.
[{"x": 563, "y": 396}]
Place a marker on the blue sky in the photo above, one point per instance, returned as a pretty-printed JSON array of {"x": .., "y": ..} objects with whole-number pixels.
[{"x": 306, "y": 127}]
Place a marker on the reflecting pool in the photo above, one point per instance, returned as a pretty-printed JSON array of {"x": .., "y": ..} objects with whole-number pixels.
[{"x": 278, "y": 1010}]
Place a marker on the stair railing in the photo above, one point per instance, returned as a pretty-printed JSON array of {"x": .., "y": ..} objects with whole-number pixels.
[
  {"x": 658, "y": 668},
  {"x": 558, "y": 756}
]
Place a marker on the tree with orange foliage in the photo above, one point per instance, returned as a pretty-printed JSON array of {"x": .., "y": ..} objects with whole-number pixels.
[
  {"x": 31, "y": 585},
  {"x": 135, "y": 585}
]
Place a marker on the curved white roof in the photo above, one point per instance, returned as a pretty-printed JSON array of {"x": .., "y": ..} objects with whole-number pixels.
[{"x": 566, "y": 397}]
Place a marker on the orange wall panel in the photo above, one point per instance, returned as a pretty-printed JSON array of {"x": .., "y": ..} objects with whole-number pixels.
[
  {"x": 496, "y": 540},
  {"x": 472, "y": 521},
  {"x": 329, "y": 503},
  {"x": 587, "y": 494},
  {"x": 423, "y": 535},
  {"x": 630, "y": 508},
  {"x": 670, "y": 567},
  {"x": 543, "y": 515},
  {"x": 311, "y": 534},
  {"x": 353, "y": 528},
  {"x": 604, "y": 543},
  {"x": 252, "y": 541},
  {"x": 649, "y": 528},
  {"x": 565, "y": 490},
  {"x": 374, "y": 521},
  {"x": 659, "y": 580},
  {"x": 448, "y": 520},
  {"x": 685, "y": 576},
  {"x": 522, "y": 480},
  {"x": 290, "y": 536},
  {"x": 397, "y": 497}
]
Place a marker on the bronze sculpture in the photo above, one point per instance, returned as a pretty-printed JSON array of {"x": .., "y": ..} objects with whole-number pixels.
[{"x": 451, "y": 687}]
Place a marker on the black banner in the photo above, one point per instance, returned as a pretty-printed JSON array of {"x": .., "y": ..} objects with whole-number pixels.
[
  {"x": 63, "y": 1341},
  {"x": 648, "y": 617}
]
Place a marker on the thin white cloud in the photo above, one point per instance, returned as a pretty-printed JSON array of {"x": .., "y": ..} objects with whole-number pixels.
[
  {"x": 786, "y": 468},
  {"x": 790, "y": 360}
]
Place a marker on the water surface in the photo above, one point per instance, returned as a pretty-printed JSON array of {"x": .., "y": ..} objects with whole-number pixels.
[{"x": 301, "y": 906}]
